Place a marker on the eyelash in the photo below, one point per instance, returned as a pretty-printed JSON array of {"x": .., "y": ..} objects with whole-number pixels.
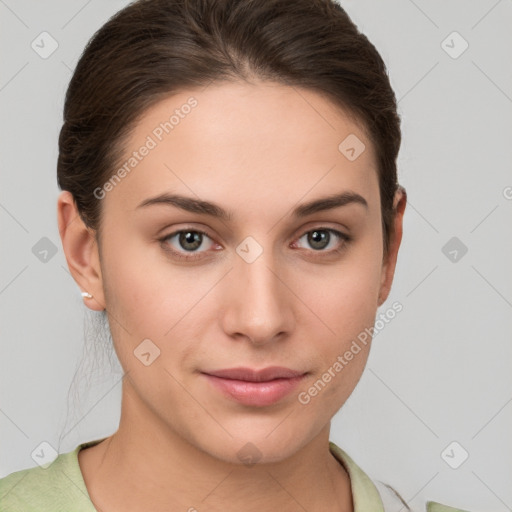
[{"x": 346, "y": 239}]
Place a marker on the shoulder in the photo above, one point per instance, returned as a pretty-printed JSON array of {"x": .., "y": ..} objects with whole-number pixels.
[
  {"x": 377, "y": 496},
  {"x": 433, "y": 506},
  {"x": 56, "y": 487},
  {"x": 393, "y": 501}
]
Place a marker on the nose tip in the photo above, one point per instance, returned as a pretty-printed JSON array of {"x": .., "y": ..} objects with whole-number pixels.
[{"x": 258, "y": 305}]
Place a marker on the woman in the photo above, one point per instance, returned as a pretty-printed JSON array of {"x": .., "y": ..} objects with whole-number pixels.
[{"x": 230, "y": 200}]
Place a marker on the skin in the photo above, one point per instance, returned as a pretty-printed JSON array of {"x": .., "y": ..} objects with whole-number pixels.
[{"x": 258, "y": 150}]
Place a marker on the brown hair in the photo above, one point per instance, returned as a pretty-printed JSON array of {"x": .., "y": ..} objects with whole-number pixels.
[{"x": 152, "y": 49}]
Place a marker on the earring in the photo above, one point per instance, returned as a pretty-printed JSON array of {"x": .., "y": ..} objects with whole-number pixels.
[{"x": 86, "y": 295}]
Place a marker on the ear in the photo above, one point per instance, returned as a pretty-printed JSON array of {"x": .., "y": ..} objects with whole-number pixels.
[
  {"x": 81, "y": 251},
  {"x": 389, "y": 263}
]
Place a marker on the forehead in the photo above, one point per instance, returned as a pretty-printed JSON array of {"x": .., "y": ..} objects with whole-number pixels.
[{"x": 243, "y": 143}]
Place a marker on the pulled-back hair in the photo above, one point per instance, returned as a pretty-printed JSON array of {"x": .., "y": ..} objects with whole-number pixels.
[{"x": 153, "y": 49}]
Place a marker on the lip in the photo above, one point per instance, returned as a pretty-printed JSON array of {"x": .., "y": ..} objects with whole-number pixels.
[{"x": 255, "y": 387}]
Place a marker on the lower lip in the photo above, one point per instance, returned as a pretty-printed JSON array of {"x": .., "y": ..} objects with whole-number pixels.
[{"x": 255, "y": 393}]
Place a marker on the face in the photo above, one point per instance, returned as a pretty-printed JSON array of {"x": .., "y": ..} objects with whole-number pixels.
[{"x": 280, "y": 279}]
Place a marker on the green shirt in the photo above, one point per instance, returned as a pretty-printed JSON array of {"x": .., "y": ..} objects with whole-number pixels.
[{"x": 60, "y": 487}]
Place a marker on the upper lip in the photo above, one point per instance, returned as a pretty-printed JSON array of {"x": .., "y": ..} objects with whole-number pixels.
[{"x": 250, "y": 375}]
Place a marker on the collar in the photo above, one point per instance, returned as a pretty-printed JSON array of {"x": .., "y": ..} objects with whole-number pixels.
[{"x": 364, "y": 493}]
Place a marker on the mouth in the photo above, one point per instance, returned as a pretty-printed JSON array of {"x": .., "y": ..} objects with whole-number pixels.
[{"x": 255, "y": 387}]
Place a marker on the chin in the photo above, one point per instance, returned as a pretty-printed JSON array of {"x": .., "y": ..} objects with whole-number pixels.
[{"x": 255, "y": 447}]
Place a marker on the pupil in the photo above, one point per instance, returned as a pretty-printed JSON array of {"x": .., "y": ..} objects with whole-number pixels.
[
  {"x": 190, "y": 237},
  {"x": 318, "y": 239}
]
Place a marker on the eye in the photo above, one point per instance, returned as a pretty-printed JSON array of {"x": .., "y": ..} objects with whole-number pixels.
[
  {"x": 186, "y": 241},
  {"x": 322, "y": 238}
]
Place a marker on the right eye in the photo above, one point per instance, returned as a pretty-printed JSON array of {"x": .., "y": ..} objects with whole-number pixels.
[{"x": 186, "y": 241}]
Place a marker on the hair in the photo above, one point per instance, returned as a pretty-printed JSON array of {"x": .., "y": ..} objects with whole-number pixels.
[{"x": 152, "y": 49}]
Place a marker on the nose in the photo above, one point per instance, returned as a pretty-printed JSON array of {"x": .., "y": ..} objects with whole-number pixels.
[{"x": 258, "y": 304}]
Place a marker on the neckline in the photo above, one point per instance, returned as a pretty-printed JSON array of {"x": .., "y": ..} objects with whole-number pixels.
[{"x": 365, "y": 495}]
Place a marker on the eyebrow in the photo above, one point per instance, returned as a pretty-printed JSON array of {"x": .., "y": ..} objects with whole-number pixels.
[{"x": 209, "y": 208}]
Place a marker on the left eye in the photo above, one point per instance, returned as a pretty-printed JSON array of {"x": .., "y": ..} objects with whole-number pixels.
[{"x": 320, "y": 239}]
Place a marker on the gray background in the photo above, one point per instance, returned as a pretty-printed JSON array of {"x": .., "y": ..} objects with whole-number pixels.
[{"x": 439, "y": 372}]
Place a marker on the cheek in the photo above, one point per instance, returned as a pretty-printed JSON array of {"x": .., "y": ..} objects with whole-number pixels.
[
  {"x": 142, "y": 289},
  {"x": 345, "y": 296},
  {"x": 346, "y": 304},
  {"x": 149, "y": 299},
  {"x": 348, "y": 310}
]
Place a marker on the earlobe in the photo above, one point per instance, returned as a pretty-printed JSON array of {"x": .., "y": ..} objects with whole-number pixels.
[
  {"x": 388, "y": 267},
  {"x": 81, "y": 251}
]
